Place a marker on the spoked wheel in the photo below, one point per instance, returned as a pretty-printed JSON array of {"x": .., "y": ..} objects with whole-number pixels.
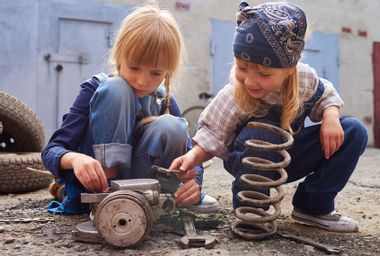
[
  {"x": 123, "y": 219},
  {"x": 192, "y": 115}
]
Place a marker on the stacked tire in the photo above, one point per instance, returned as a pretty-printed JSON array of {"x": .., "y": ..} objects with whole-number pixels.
[{"x": 21, "y": 141}]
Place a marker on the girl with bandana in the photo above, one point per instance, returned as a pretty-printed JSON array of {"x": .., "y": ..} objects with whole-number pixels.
[
  {"x": 119, "y": 125},
  {"x": 268, "y": 84}
]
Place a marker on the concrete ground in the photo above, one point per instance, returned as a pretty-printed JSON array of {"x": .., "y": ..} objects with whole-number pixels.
[{"x": 51, "y": 234}]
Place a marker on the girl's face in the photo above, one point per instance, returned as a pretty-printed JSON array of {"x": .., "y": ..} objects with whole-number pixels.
[
  {"x": 259, "y": 80},
  {"x": 143, "y": 79}
]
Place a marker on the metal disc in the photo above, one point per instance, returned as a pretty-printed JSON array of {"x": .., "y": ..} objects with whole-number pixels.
[{"x": 123, "y": 218}]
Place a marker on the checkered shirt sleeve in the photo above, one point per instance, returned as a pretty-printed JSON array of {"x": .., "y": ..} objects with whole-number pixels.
[{"x": 218, "y": 123}]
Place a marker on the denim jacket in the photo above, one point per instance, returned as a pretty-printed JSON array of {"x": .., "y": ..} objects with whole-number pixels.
[{"x": 69, "y": 136}]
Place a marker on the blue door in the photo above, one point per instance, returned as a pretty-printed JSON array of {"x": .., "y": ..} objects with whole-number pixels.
[
  {"x": 322, "y": 53},
  {"x": 74, "y": 42},
  {"x": 221, "y": 53}
]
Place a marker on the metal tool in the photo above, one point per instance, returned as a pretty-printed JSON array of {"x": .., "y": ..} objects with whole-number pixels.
[
  {"x": 192, "y": 239},
  {"x": 304, "y": 240},
  {"x": 165, "y": 170}
]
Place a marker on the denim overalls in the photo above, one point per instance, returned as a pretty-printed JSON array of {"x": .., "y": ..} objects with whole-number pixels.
[
  {"x": 325, "y": 178},
  {"x": 114, "y": 139}
]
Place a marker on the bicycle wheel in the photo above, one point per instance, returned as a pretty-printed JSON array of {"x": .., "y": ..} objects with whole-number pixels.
[{"x": 192, "y": 115}]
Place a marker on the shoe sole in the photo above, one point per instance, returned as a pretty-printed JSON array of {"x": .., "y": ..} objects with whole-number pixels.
[{"x": 319, "y": 225}]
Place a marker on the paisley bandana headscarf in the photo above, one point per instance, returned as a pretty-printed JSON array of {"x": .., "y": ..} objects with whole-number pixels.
[{"x": 270, "y": 34}]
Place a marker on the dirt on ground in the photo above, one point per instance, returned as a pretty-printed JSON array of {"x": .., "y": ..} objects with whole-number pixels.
[{"x": 27, "y": 229}]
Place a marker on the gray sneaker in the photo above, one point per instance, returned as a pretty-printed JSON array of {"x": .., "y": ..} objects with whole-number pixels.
[
  {"x": 332, "y": 221},
  {"x": 207, "y": 204}
]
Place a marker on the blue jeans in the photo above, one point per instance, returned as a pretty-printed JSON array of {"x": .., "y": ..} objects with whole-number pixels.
[
  {"x": 113, "y": 139},
  {"x": 324, "y": 178}
]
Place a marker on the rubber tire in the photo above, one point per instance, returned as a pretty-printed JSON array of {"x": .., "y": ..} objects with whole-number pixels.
[
  {"x": 21, "y": 123},
  {"x": 14, "y": 178}
]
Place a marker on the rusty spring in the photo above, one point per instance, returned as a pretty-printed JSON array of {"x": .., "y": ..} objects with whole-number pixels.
[{"x": 253, "y": 222}]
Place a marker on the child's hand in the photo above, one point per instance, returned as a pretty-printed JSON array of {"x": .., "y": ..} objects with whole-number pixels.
[
  {"x": 89, "y": 172},
  {"x": 331, "y": 134},
  {"x": 186, "y": 164},
  {"x": 187, "y": 194}
]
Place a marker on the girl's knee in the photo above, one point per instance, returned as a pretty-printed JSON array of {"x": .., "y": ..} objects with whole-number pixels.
[
  {"x": 116, "y": 89},
  {"x": 355, "y": 131},
  {"x": 171, "y": 127}
]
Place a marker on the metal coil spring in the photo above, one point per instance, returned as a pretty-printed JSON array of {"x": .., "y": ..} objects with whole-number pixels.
[{"x": 253, "y": 222}]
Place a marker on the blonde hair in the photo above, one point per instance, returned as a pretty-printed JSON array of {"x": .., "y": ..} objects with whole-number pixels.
[
  {"x": 291, "y": 103},
  {"x": 149, "y": 36}
]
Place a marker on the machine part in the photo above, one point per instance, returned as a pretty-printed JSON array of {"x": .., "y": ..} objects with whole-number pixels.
[
  {"x": 86, "y": 232},
  {"x": 192, "y": 239},
  {"x": 14, "y": 176},
  {"x": 92, "y": 198},
  {"x": 22, "y": 129},
  {"x": 303, "y": 240},
  {"x": 123, "y": 219},
  {"x": 253, "y": 222},
  {"x": 136, "y": 185},
  {"x": 166, "y": 206}
]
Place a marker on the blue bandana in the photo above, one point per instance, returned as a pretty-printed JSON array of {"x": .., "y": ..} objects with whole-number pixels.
[{"x": 270, "y": 34}]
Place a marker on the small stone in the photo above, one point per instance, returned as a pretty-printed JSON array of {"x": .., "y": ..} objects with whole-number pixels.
[
  {"x": 2, "y": 229},
  {"x": 9, "y": 240}
]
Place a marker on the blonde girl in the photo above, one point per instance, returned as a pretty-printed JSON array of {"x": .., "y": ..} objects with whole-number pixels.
[
  {"x": 270, "y": 85},
  {"x": 122, "y": 124}
]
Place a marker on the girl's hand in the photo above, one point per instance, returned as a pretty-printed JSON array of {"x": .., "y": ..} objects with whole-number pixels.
[
  {"x": 189, "y": 193},
  {"x": 188, "y": 161},
  {"x": 88, "y": 171},
  {"x": 331, "y": 134},
  {"x": 186, "y": 164}
]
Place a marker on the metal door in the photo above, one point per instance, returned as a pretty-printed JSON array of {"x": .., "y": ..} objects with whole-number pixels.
[
  {"x": 221, "y": 53},
  {"x": 322, "y": 53},
  {"x": 75, "y": 39},
  {"x": 376, "y": 73}
]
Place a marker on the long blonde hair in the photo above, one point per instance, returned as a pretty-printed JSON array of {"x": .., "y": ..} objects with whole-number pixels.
[
  {"x": 149, "y": 36},
  {"x": 291, "y": 102}
]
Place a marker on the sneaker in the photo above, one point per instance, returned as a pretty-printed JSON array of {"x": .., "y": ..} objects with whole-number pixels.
[
  {"x": 332, "y": 221},
  {"x": 207, "y": 204}
]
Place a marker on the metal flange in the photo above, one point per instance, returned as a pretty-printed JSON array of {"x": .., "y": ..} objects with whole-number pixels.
[{"x": 123, "y": 219}]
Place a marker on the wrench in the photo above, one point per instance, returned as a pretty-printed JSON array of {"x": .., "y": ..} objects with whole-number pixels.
[
  {"x": 164, "y": 170},
  {"x": 192, "y": 239},
  {"x": 303, "y": 240}
]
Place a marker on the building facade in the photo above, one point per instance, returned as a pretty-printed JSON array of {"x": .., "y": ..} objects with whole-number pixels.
[{"x": 49, "y": 46}]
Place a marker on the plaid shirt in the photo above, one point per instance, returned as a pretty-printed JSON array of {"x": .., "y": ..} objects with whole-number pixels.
[{"x": 221, "y": 118}]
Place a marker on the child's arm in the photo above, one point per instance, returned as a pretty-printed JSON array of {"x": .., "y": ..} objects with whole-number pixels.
[
  {"x": 331, "y": 134},
  {"x": 59, "y": 154},
  {"x": 87, "y": 170},
  {"x": 190, "y": 191}
]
